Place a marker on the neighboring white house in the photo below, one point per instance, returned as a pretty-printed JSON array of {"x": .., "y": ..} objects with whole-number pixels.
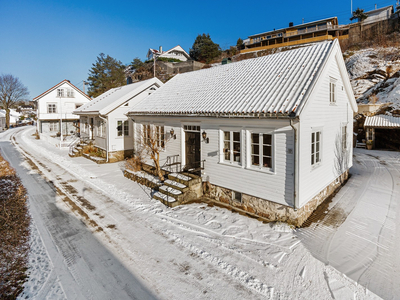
[
  {"x": 14, "y": 117},
  {"x": 272, "y": 135},
  {"x": 103, "y": 120},
  {"x": 2, "y": 120},
  {"x": 379, "y": 14},
  {"x": 177, "y": 52},
  {"x": 58, "y": 103}
]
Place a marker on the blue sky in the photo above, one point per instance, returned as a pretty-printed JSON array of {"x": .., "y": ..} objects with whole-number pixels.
[{"x": 43, "y": 42}]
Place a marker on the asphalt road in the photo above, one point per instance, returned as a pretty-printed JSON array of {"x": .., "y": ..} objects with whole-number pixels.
[{"x": 82, "y": 265}]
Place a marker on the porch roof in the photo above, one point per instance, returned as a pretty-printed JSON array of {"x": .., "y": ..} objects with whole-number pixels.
[
  {"x": 382, "y": 121},
  {"x": 271, "y": 85}
]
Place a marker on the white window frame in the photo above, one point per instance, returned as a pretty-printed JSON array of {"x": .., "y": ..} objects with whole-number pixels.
[
  {"x": 160, "y": 135},
  {"x": 316, "y": 133},
  {"x": 332, "y": 91},
  {"x": 51, "y": 108},
  {"x": 124, "y": 126},
  {"x": 261, "y": 133},
  {"x": 223, "y": 152},
  {"x": 60, "y": 93},
  {"x": 54, "y": 126}
]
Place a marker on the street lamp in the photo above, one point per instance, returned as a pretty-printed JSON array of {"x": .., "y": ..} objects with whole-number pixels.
[{"x": 61, "y": 136}]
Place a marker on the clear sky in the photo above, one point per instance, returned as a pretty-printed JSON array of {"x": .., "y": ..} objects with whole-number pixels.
[{"x": 43, "y": 42}]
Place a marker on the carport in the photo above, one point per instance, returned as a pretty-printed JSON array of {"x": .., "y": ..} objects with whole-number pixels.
[{"x": 384, "y": 131}]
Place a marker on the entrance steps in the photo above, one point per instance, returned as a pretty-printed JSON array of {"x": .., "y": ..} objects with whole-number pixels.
[{"x": 179, "y": 188}]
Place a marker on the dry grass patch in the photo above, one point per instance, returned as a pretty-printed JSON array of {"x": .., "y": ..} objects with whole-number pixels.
[{"x": 14, "y": 233}]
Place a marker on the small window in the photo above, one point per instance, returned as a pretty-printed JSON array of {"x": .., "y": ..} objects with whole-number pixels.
[
  {"x": 236, "y": 196},
  {"x": 232, "y": 146},
  {"x": 332, "y": 92},
  {"x": 146, "y": 134},
  {"x": 51, "y": 108},
  {"x": 160, "y": 136},
  {"x": 119, "y": 128},
  {"x": 315, "y": 147},
  {"x": 60, "y": 93}
]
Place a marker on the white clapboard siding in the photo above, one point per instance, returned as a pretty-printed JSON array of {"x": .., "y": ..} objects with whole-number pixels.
[
  {"x": 319, "y": 113},
  {"x": 275, "y": 186}
]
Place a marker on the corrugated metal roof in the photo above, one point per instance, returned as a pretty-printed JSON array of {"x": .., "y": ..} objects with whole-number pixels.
[
  {"x": 114, "y": 97},
  {"x": 382, "y": 121},
  {"x": 273, "y": 84}
]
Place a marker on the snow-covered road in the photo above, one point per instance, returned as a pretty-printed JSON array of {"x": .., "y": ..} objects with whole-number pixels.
[
  {"x": 365, "y": 245},
  {"x": 191, "y": 251}
]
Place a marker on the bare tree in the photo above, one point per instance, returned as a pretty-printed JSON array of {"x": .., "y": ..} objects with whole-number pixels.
[
  {"x": 11, "y": 91},
  {"x": 150, "y": 141},
  {"x": 342, "y": 154}
]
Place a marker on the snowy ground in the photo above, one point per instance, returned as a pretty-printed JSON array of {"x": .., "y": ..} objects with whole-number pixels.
[{"x": 202, "y": 252}]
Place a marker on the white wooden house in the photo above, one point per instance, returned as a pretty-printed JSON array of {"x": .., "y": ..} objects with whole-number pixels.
[
  {"x": 272, "y": 135},
  {"x": 379, "y": 14},
  {"x": 56, "y": 105},
  {"x": 177, "y": 52},
  {"x": 103, "y": 120}
]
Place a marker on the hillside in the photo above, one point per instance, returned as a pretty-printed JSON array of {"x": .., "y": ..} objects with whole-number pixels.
[{"x": 375, "y": 75}]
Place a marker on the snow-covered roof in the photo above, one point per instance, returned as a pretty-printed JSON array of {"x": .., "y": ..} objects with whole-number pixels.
[
  {"x": 382, "y": 121},
  {"x": 58, "y": 85},
  {"x": 271, "y": 85},
  {"x": 379, "y": 9},
  {"x": 161, "y": 53},
  {"x": 115, "y": 97}
]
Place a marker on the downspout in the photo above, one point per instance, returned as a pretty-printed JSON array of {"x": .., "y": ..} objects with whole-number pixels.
[
  {"x": 296, "y": 167},
  {"x": 108, "y": 140}
]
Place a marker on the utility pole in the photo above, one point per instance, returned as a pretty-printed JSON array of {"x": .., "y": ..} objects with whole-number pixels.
[{"x": 84, "y": 83}]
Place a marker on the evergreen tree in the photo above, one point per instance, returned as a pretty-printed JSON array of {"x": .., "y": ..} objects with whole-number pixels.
[
  {"x": 136, "y": 63},
  {"x": 106, "y": 73},
  {"x": 359, "y": 15},
  {"x": 239, "y": 43},
  {"x": 204, "y": 49}
]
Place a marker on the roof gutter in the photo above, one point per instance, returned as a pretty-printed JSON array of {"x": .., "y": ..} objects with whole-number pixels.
[{"x": 296, "y": 164}]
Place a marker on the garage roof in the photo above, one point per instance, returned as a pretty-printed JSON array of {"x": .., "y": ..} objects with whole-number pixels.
[{"x": 382, "y": 121}]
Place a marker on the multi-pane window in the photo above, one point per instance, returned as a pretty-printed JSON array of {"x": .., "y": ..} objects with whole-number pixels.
[
  {"x": 332, "y": 95},
  {"x": 122, "y": 128},
  {"x": 126, "y": 128},
  {"x": 232, "y": 146},
  {"x": 315, "y": 147},
  {"x": 68, "y": 93},
  {"x": 51, "y": 108},
  {"x": 53, "y": 126},
  {"x": 146, "y": 134},
  {"x": 160, "y": 136},
  {"x": 261, "y": 150},
  {"x": 344, "y": 138},
  {"x": 60, "y": 92}
]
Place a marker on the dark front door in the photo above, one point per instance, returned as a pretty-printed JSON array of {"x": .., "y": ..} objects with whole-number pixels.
[{"x": 192, "y": 140}]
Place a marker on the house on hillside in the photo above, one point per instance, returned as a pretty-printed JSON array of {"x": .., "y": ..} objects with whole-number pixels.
[
  {"x": 103, "y": 120},
  {"x": 56, "y": 106},
  {"x": 316, "y": 31},
  {"x": 271, "y": 135},
  {"x": 177, "y": 53},
  {"x": 379, "y": 14}
]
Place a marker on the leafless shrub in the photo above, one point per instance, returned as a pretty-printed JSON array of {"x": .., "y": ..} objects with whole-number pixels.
[
  {"x": 14, "y": 233},
  {"x": 389, "y": 70},
  {"x": 373, "y": 99},
  {"x": 134, "y": 163},
  {"x": 342, "y": 156}
]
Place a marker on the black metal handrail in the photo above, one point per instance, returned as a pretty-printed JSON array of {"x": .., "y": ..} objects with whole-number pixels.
[{"x": 171, "y": 162}]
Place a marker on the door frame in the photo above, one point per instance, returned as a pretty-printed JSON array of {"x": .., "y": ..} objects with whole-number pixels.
[{"x": 183, "y": 140}]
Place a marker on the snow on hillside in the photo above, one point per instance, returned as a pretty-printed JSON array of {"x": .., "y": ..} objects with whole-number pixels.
[{"x": 375, "y": 75}]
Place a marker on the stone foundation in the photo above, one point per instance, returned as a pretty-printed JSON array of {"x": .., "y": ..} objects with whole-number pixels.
[
  {"x": 115, "y": 155},
  {"x": 269, "y": 210}
]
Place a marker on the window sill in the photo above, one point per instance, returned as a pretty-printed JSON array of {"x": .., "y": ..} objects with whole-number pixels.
[
  {"x": 261, "y": 170},
  {"x": 315, "y": 166},
  {"x": 235, "y": 165}
]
